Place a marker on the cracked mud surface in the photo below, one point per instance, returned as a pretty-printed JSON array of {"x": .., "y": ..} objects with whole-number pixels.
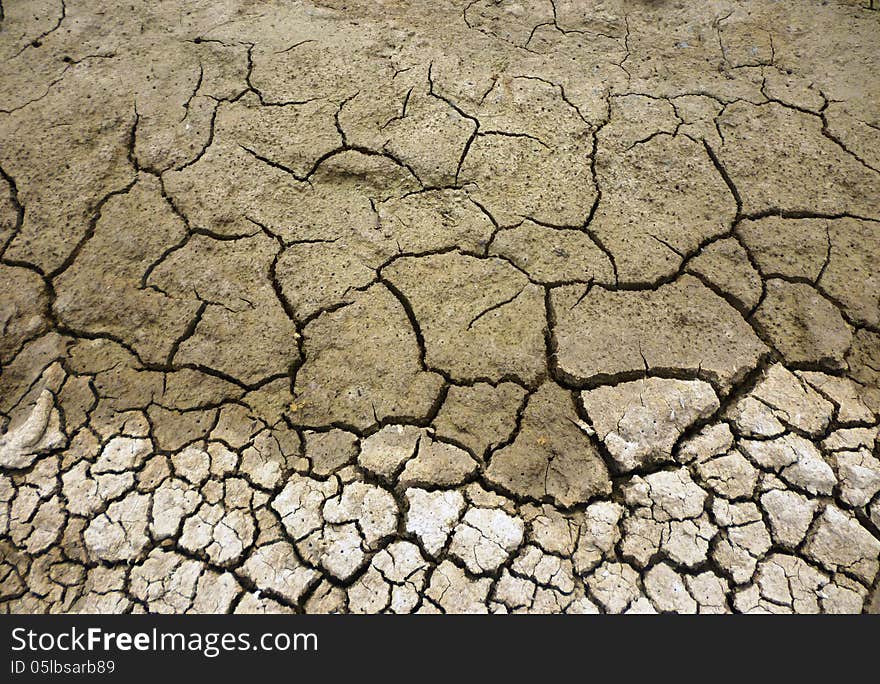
[{"x": 484, "y": 306}]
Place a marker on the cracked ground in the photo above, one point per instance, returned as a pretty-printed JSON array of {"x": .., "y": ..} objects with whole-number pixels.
[{"x": 485, "y": 306}]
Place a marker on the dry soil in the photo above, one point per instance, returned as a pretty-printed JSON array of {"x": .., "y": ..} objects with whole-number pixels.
[{"x": 421, "y": 306}]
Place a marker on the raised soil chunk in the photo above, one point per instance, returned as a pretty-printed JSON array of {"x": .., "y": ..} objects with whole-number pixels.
[
  {"x": 682, "y": 326},
  {"x": 481, "y": 319},
  {"x": 641, "y": 421},
  {"x": 362, "y": 365},
  {"x": 551, "y": 457}
]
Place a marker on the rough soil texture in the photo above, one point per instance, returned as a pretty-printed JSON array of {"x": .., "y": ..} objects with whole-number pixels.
[{"x": 484, "y": 306}]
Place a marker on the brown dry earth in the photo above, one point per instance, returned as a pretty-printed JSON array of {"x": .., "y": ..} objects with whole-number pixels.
[{"x": 537, "y": 306}]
